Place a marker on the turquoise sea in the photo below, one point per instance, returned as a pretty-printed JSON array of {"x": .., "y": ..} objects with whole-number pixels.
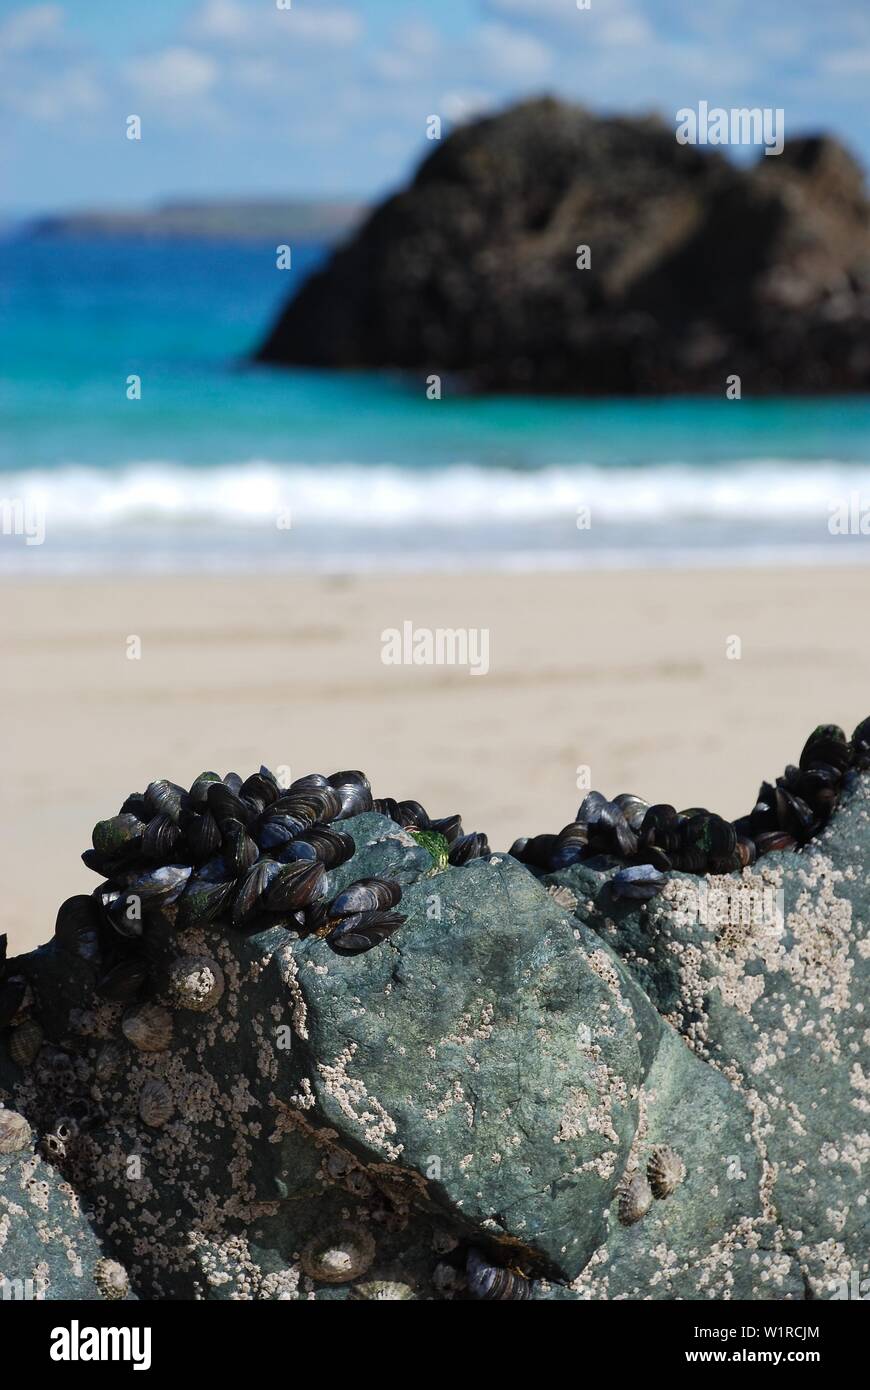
[{"x": 223, "y": 465}]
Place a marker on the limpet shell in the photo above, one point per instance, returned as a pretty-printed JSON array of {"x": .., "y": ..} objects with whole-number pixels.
[
  {"x": 111, "y": 1279},
  {"x": 196, "y": 982},
  {"x": 15, "y": 1132},
  {"x": 148, "y": 1027},
  {"x": 111, "y": 1057},
  {"x": 25, "y": 1042},
  {"x": 382, "y": 1289},
  {"x": 155, "y": 1102},
  {"x": 665, "y": 1170},
  {"x": 338, "y": 1254},
  {"x": 635, "y": 1199}
]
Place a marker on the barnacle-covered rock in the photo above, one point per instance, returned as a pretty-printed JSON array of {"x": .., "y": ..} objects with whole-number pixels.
[{"x": 476, "y": 1085}]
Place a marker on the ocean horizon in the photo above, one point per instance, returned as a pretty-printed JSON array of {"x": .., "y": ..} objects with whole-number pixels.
[{"x": 224, "y": 465}]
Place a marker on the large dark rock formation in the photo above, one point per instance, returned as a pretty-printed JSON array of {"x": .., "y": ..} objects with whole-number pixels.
[{"x": 699, "y": 269}]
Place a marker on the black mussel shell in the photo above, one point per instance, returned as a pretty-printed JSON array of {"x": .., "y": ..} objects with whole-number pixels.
[
  {"x": 709, "y": 833},
  {"x": 314, "y": 917},
  {"x": 333, "y": 847},
  {"x": 472, "y": 846},
  {"x": 353, "y": 792},
  {"x": 591, "y": 807},
  {"x": 793, "y": 814},
  {"x": 315, "y": 780},
  {"x": 198, "y": 794},
  {"x": 774, "y": 840},
  {"x": 571, "y": 843},
  {"x": 107, "y": 865},
  {"x": 204, "y": 900},
  {"x": 124, "y": 981},
  {"x": 389, "y": 807},
  {"x": 634, "y": 808},
  {"x": 827, "y": 744},
  {"x": 296, "y": 885},
  {"x": 298, "y": 807},
  {"x": 119, "y": 835},
  {"x": 746, "y": 851},
  {"x": 536, "y": 852},
  {"x": 277, "y": 828},
  {"x": 233, "y": 781},
  {"x": 164, "y": 798},
  {"x": 203, "y": 837},
  {"x": 261, "y": 786},
  {"x": 161, "y": 840},
  {"x": 294, "y": 851},
  {"x": 448, "y": 826},
  {"x": 239, "y": 849},
  {"x": 652, "y": 855},
  {"x": 657, "y": 825},
  {"x": 77, "y": 927},
  {"x": 414, "y": 815},
  {"x": 4, "y": 943},
  {"x": 153, "y": 886},
  {"x": 362, "y": 931},
  {"x": 134, "y": 805},
  {"x": 251, "y": 894},
  {"x": 861, "y": 746},
  {"x": 122, "y": 910},
  {"x": 494, "y": 1282},
  {"x": 226, "y": 805},
  {"x": 639, "y": 881},
  {"x": 366, "y": 895},
  {"x": 612, "y": 831}
]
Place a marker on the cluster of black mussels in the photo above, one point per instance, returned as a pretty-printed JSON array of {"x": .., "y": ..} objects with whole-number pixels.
[
  {"x": 248, "y": 852},
  {"x": 650, "y": 839},
  {"x": 257, "y": 855}
]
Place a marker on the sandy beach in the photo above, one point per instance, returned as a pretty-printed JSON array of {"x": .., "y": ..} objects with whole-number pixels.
[{"x": 626, "y": 673}]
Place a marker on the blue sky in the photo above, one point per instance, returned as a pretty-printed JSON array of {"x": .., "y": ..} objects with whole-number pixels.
[{"x": 331, "y": 97}]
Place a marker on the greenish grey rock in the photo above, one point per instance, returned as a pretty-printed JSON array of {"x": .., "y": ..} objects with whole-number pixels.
[{"x": 491, "y": 1076}]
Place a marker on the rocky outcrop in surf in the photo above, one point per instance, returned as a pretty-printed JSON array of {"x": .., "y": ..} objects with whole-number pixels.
[{"x": 550, "y": 250}]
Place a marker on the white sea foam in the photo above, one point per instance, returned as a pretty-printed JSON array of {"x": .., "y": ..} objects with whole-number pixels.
[
  {"x": 773, "y": 491},
  {"x": 165, "y": 518}
]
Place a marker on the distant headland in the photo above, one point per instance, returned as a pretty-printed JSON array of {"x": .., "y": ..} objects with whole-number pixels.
[{"x": 277, "y": 220}]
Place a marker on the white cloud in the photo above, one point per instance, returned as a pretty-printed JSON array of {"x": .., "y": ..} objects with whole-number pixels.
[
  {"x": 848, "y": 64},
  {"x": 332, "y": 27},
  {"x": 458, "y": 106},
  {"x": 505, "y": 52},
  {"x": 74, "y": 92},
  {"x": 410, "y": 57},
  {"x": 30, "y": 28},
  {"x": 220, "y": 19},
  {"x": 174, "y": 74},
  {"x": 264, "y": 25}
]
